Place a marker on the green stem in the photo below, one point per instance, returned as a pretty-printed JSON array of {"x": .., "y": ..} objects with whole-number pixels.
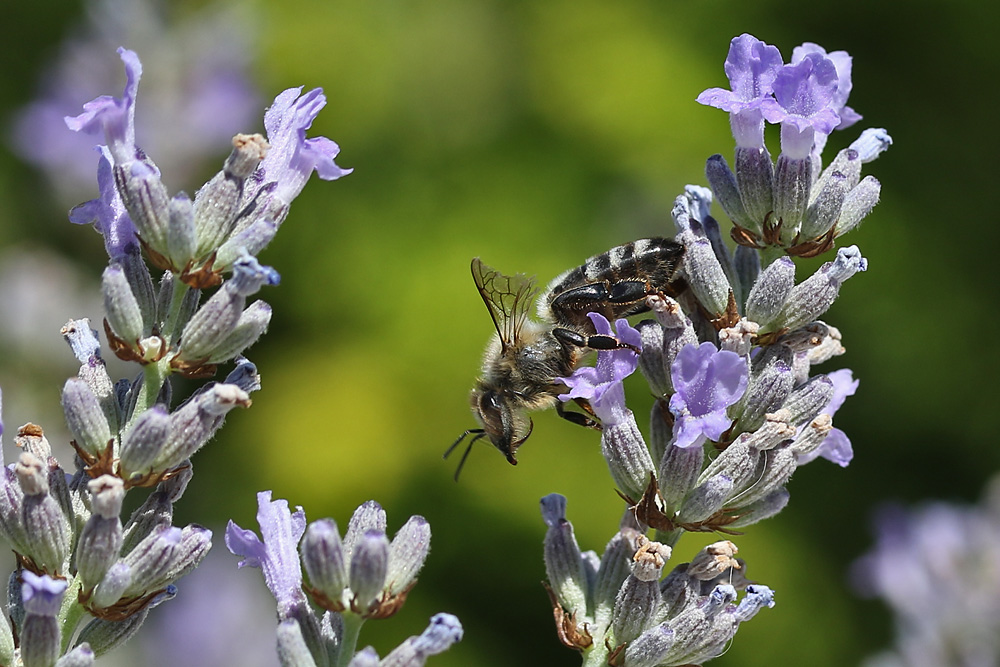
[
  {"x": 70, "y": 612},
  {"x": 770, "y": 253},
  {"x": 170, "y": 323},
  {"x": 349, "y": 637},
  {"x": 596, "y": 655}
]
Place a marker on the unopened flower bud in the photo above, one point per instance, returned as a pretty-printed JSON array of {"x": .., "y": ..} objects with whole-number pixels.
[
  {"x": 143, "y": 441},
  {"x": 181, "y": 239},
  {"x": 564, "y": 566},
  {"x": 369, "y": 564},
  {"x": 407, "y": 553},
  {"x": 121, "y": 306},
  {"x": 727, "y": 192},
  {"x": 769, "y": 293},
  {"x": 39, "y": 634},
  {"x": 323, "y": 558},
  {"x": 100, "y": 540},
  {"x": 814, "y": 295},
  {"x": 755, "y": 175},
  {"x": 85, "y": 418}
]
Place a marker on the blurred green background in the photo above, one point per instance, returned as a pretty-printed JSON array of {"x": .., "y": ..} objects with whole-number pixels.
[{"x": 534, "y": 134}]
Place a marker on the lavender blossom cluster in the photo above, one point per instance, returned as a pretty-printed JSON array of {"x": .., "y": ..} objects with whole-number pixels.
[
  {"x": 730, "y": 361},
  {"x": 86, "y": 579}
]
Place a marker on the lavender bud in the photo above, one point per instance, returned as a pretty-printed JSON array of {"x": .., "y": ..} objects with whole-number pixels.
[
  {"x": 635, "y": 608},
  {"x": 846, "y": 165},
  {"x": 706, "y": 499},
  {"x": 814, "y": 295},
  {"x": 770, "y": 384},
  {"x": 251, "y": 325},
  {"x": 859, "y": 203},
  {"x": 616, "y": 565},
  {"x": 407, "y": 553},
  {"x": 81, "y": 656},
  {"x": 141, "y": 284},
  {"x": 113, "y": 586},
  {"x": 39, "y": 633},
  {"x": 84, "y": 417},
  {"x": 779, "y": 465},
  {"x": 627, "y": 456},
  {"x": 152, "y": 559},
  {"x": 31, "y": 439},
  {"x": 679, "y": 471},
  {"x": 196, "y": 421},
  {"x": 651, "y": 357},
  {"x": 366, "y": 657},
  {"x": 11, "y": 511},
  {"x": 755, "y": 176},
  {"x": 757, "y": 598},
  {"x": 738, "y": 462},
  {"x": 369, "y": 516},
  {"x": 218, "y": 202},
  {"x": 792, "y": 182},
  {"x": 104, "y": 636},
  {"x": 775, "y": 431},
  {"x": 873, "y": 142},
  {"x": 824, "y": 211},
  {"x": 746, "y": 262},
  {"x": 47, "y": 529},
  {"x": 651, "y": 647},
  {"x": 564, "y": 565},
  {"x": 369, "y": 563},
  {"x": 323, "y": 558},
  {"x": 121, "y": 306},
  {"x": 146, "y": 200},
  {"x": 100, "y": 539},
  {"x": 215, "y": 320},
  {"x": 727, "y": 192},
  {"x": 771, "y": 291},
  {"x": 87, "y": 349},
  {"x": 181, "y": 240},
  {"x": 143, "y": 442},
  {"x": 250, "y": 239},
  {"x": 443, "y": 631},
  {"x": 764, "y": 508},
  {"x": 703, "y": 638},
  {"x": 244, "y": 376},
  {"x": 707, "y": 279},
  {"x": 292, "y": 648},
  {"x": 805, "y": 402},
  {"x": 812, "y": 438}
]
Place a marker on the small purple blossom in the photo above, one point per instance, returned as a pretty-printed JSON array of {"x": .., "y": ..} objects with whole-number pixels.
[
  {"x": 751, "y": 67},
  {"x": 107, "y": 213},
  {"x": 837, "y": 446},
  {"x": 41, "y": 595},
  {"x": 601, "y": 384},
  {"x": 707, "y": 381},
  {"x": 842, "y": 61},
  {"x": 113, "y": 116},
  {"x": 291, "y": 157},
  {"x": 277, "y": 554},
  {"x": 803, "y": 103}
]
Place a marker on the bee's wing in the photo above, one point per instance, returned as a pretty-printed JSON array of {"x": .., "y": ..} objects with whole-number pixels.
[{"x": 508, "y": 299}]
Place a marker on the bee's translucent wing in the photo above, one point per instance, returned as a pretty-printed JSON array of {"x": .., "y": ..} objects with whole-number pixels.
[{"x": 508, "y": 299}]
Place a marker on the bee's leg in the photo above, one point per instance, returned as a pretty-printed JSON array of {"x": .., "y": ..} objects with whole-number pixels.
[
  {"x": 593, "y": 342},
  {"x": 601, "y": 297},
  {"x": 578, "y": 417}
]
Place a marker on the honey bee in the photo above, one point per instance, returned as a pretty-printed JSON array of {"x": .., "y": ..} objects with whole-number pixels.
[{"x": 525, "y": 358}]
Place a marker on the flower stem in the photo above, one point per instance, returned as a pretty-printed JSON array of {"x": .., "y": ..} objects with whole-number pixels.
[
  {"x": 596, "y": 655},
  {"x": 349, "y": 637},
  {"x": 770, "y": 253}
]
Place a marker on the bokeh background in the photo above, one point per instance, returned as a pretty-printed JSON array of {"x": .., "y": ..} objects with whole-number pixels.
[{"x": 533, "y": 133}]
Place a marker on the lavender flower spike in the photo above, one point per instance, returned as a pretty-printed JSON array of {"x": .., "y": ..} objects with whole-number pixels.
[
  {"x": 707, "y": 381},
  {"x": 276, "y": 554}
]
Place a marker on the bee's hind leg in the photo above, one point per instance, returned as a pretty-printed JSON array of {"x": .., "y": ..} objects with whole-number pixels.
[
  {"x": 592, "y": 341},
  {"x": 578, "y": 417}
]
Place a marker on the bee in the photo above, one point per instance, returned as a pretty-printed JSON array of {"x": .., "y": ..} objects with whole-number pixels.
[{"x": 525, "y": 359}]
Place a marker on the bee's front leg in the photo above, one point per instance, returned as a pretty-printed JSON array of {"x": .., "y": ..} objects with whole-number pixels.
[
  {"x": 578, "y": 417},
  {"x": 591, "y": 341}
]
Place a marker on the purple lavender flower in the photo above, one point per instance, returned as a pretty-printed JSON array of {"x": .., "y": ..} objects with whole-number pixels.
[
  {"x": 837, "y": 446},
  {"x": 601, "y": 384},
  {"x": 277, "y": 554},
  {"x": 107, "y": 213},
  {"x": 804, "y": 98},
  {"x": 707, "y": 381},
  {"x": 291, "y": 157},
  {"x": 751, "y": 67}
]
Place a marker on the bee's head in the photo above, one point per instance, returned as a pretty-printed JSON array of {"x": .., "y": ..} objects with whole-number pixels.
[{"x": 505, "y": 425}]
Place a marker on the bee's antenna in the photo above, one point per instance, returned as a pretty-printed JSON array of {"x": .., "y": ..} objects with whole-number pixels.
[{"x": 476, "y": 433}]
